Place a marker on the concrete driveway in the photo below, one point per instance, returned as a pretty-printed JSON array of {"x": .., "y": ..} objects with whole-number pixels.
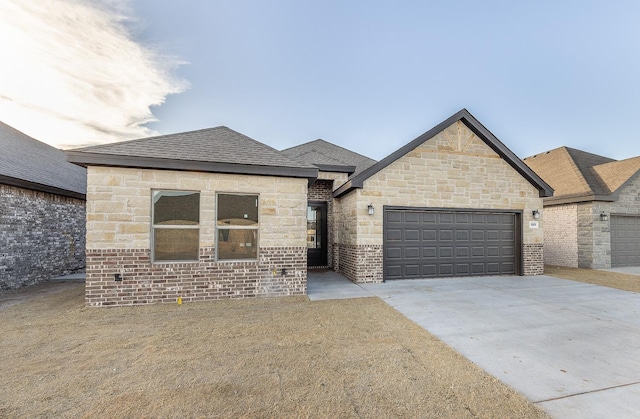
[{"x": 571, "y": 348}]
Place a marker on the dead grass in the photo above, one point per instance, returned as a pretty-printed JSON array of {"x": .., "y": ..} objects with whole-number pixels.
[
  {"x": 617, "y": 280},
  {"x": 283, "y": 357}
]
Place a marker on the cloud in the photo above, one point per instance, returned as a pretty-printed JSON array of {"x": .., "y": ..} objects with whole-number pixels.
[{"x": 72, "y": 73}]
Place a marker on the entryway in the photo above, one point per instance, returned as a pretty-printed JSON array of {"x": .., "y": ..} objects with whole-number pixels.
[{"x": 317, "y": 234}]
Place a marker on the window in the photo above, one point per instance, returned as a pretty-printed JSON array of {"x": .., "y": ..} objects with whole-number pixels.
[
  {"x": 237, "y": 224},
  {"x": 176, "y": 226}
]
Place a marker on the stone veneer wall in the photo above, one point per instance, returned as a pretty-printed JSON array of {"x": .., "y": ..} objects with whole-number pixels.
[
  {"x": 118, "y": 239},
  {"x": 321, "y": 190},
  {"x": 454, "y": 169},
  {"x": 41, "y": 236},
  {"x": 561, "y": 235},
  {"x": 594, "y": 235}
]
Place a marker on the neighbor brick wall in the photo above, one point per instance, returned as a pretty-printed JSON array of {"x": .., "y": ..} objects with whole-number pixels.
[
  {"x": 561, "y": 235},
  {"x": 146, "y": 283},
  {"x": 456, "y": 170},
  {"x": 119, "y": 231},
  {"x": 41, "y": 236}
]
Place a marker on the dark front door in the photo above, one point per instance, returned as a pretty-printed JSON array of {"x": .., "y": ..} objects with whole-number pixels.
[{"x": 317, "y": 234}]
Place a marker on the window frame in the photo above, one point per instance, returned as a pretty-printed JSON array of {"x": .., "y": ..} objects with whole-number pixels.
[
  {"x": 255, "y": 227},
  {"x": 154, "y": 227}
]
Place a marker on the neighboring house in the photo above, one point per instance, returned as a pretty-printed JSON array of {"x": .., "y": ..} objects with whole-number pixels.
[
  {"x": 214, "y": 214},
  {"x": 42, "y": 211},
  {"x": 593, "y": 219}
]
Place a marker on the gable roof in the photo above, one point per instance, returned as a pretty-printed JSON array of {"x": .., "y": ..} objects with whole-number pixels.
[
  {"x": 357, "y": 181},
  {"x": 28, "y": 163},
  {"x": 329, "y": 157},
  {"x": 579, "y": 176},
  {"x": 219, "y": 149}
]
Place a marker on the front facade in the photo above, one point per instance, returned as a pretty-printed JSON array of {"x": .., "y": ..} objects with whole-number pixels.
[
  {"x": 593, "y": 220},
  {"x": 454, "y": 202},
  {"x": 42, "y": 212}
]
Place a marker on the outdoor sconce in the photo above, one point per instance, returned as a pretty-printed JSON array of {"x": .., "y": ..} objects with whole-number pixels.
[
  {"x": 370, "y": 208},
  {"x": 536, "y": 214},
  {"x": 603, "y": 216}
]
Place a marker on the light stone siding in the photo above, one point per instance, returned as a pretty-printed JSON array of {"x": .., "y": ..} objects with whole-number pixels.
[
  {"x": 452, "y": 170},
  {"x": 594, "y": 235},
  {"x": 119, "y": 237},
  {"x": 561, "y": 235}
]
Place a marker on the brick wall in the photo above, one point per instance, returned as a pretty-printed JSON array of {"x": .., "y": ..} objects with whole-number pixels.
[
  {"x": 533, "y": 259},
  {"x": 361, "y": 263},
  {"x": 146, "y": 283},
  {"x": 561, "y": 235},
  {"x": 41, "y": 236}
]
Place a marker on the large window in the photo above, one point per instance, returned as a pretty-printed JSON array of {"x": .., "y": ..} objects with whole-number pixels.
[
  {"x": 176, "y": 226},
  {"x": 237, "y": 224}
]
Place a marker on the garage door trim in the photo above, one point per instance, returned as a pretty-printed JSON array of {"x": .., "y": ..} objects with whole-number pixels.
[{"x": 517, "y": 219}]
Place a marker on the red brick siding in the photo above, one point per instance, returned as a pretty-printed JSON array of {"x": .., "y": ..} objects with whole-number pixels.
[
  {"x": 533, "y": 259},
  {"x": 146, "y": 283},
  {"x": 361, "y": 263}
]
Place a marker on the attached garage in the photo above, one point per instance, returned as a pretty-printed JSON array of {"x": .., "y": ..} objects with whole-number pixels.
[
  {"x": 429, "y": 243},
  {"x": 625, "y": 241}
]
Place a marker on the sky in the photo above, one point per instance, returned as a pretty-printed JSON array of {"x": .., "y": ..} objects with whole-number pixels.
[{"x": 367, "y": 75}]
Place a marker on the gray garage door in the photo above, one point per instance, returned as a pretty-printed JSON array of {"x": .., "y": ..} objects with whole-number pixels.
[
  {"x": 428, "y": 244},
  {"x": 625, "y": 241}
]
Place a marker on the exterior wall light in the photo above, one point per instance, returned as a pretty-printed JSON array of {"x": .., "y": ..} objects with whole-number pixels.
[
  {"x": 604, "y": 217},
  {"x": 536, "y": 214},
  {"x": 370, "y": 209}
]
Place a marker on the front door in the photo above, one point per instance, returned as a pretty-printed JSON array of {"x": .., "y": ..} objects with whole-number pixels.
[{"x": 317, "y": 234}]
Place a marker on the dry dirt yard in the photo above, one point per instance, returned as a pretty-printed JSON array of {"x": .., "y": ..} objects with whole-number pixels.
[
  {"x": 282, "y": 357},
  {"x": 617, "y": 280}
]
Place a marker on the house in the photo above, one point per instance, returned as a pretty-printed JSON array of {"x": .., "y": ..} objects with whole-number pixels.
[
  {"x": 214, "y": 214},
  {"x": 42, "y": 211},
  {"x": 593, "y": 219}
]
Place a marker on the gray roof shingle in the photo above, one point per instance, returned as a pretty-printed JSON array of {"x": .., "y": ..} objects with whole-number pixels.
[
  {"x": 323, "y": 153},
  {"x": 213, "y": 149},
  {"x": 29, "y": 163}
]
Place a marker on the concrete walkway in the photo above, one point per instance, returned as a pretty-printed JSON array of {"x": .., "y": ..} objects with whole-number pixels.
[{"x": 571, "y": 348}]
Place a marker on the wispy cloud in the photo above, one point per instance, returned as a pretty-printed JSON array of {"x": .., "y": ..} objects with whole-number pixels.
[{"x": 73, "y": 74}]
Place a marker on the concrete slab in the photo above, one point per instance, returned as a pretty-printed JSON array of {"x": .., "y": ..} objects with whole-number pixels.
[
  {"x": 332, "y": 286},
  {"x": 570, "y": 347}
]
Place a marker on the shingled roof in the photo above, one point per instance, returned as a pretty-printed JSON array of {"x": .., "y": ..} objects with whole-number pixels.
[
  {"x": 219, "y": 149},
  {"x": 329, "y": 157},
  {"x": 28, "y": 163},
  {"x": 579, "y": 176}
]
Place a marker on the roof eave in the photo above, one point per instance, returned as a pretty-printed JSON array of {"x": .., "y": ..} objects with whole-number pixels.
[
  {"x": 99, "y": 159},
  {"x": 576, "y": 199},
  {"x": 336, "y": 168},
  {"x": 24, "y": 184}
]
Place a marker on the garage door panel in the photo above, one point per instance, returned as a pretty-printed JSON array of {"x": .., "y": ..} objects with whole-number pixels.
[
  {"x": 394, "y": 235},
  {"x": 428, "y": 244},
  {"x": 412, "y": 253},
  {"x": 412, "y": 235},
  {"x": 625, "y": 240},
  {"x": 393, "y": 252}
]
